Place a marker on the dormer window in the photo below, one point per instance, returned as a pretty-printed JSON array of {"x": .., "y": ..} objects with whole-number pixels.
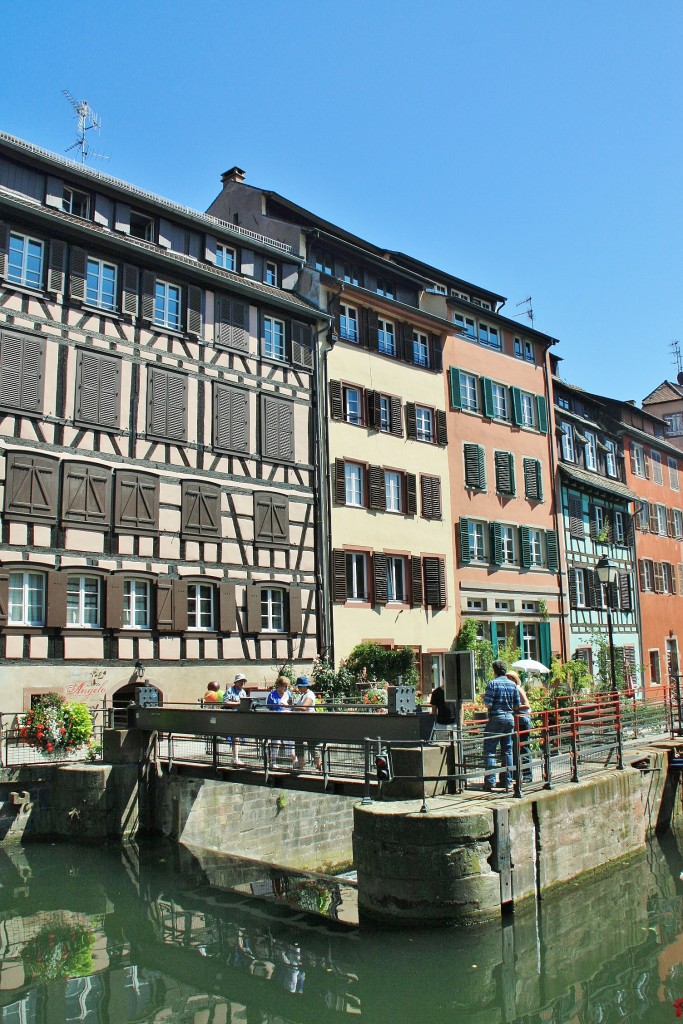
[
  {"x": 385, "y": 288},
  {"x": 438, "y": 289},
  {"x": 226, "y": 257},
  {"x": 142, "y": 226},
  {"x": 76, "y": 203}
]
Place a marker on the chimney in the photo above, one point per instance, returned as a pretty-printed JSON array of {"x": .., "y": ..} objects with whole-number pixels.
[{"x": 234, "y": 174}]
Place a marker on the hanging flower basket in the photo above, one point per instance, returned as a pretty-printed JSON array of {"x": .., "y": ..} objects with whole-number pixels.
[
  {"x": 375, "y": 695},
  {"x": 60, "y": 950},
  {"x": 55, "y": 726}
]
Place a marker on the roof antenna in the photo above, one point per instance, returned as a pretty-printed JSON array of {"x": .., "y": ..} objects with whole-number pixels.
[
  {"x": 676, "y": 352},
  {"x": 86, "y": 119},
  {"x": 528, "y": 312}
]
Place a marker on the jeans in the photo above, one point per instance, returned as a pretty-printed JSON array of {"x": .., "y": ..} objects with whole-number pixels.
[
  {"x": 524, "y": 728},
  {"x": 502, "y": 728}
]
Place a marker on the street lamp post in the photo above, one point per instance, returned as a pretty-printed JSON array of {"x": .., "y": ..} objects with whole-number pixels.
[{"x": 607, "y": 574}]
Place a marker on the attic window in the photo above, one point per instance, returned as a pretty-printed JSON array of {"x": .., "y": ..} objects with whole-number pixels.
[{"x": 142, "y": 226}]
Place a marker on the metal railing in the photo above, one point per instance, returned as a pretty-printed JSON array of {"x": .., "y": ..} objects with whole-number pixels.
[{"x": 15, "y": 751}]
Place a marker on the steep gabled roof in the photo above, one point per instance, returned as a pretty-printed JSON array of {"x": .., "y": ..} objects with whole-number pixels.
[{"x": 667, "y": 391}]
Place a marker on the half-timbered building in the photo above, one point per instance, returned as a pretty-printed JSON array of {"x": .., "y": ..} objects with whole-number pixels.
[{"x": 156, "y": 443}]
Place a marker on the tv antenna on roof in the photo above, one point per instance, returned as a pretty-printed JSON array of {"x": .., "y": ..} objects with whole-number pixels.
[
  {"x": 86, "y": 119},
  {"x": 528, "y": 312},
  {"x": 676, "y": 353}
]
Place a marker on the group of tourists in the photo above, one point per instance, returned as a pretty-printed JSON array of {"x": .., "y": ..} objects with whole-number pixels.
[{"x": 301, "y": 697}]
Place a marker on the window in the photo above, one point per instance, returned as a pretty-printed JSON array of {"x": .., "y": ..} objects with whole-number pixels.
[
  {"x": 356, "y": 576},
  {"x": 353, "y": 406},
  {"x": 386, "y": 337},
  {"x": 619, "y": 535},
  {"x": 661, "y": 520},
  {"x": 392, "y": 491},
  {"x": 420, "y": 349},
  {"x": 468, "y": 392},
  {"x": 351, "y": 274},
  {"x": 348, "y": 323},
  {"x": 655, "y": 668},
  {"x": 424, "y": 424},
  {"x": 673, "y": 474},
  {"x": 591, "y": 451},
  {"x": 438, "y": 289},
  {"x": 530, "y": 607},
  {"x": 646, "y": 575},
  {"x": 567, "y": 442},
  {"x": 489, "y": 336},
  {"x": 22, "y": 363},
  {"x": 324, "y": 263},
  {"x": 396, "y": 579},
  {"x": 518, "y": 349},
  {"x": 226, "y": 256},
  {"x": 200, "y": 605},
  {"x": 385, "y": 414},
  {"x": 353, "y": 476},
  {"x": 476, "y": 540},
  {"x": 529, "y": 352},
  {"x": 25, "y": 261},
  {"x": 637, "y": 460},
  {"x": 385, "y": 288},
  {"x": 167, "y": 305},
  {"x": 270, "y": 275},
  {"x": 563, "y": 402},
  {"x": 674, "y": 423},
  {"x": 100, "y": 284},
  {"x": 529, "y": 640},
  {"x": 166, "y": 404},
  {"x": 677, "y": 523},
  {"x": 500, "y": 401},
  {"x": 26, "y": 599},
  {"x": 142, "y": 226},
  {"x": 503, "y": 606},
  {"x": 579, "y": 588},
  {"x": 475, "y": 604},
  {"x": 83, "y": 601},
  {"x": 273, "y": 338},
  {"x": 136, "y": 604},
  {"x": 528, "y": 418},
  {"x": 272, "y": 610},
  {"x": 611, "y": 458},
  {"x": 98, "y": 389},
  {"x": 507, "y": 544},
  {"x": 466, "y": 325},
  {"x": 536, "y": 547},
  {"x": 76, "y": 203},
  {"x": 656, "y": 460}
]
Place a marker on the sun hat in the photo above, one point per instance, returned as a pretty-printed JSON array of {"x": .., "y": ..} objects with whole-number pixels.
[
  {"x": 239, "y": 678},
  {"x": 302, "y": 681}
]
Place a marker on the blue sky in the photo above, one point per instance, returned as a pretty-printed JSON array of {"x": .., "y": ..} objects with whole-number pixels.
[{"x": 533, "y": 148}]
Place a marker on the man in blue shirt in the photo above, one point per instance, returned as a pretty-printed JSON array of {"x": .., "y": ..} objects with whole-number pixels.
[{"x": 502, "y": 699}]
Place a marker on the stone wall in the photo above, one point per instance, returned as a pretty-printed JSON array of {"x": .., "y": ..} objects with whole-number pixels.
[{"x": 307, "y": 830}]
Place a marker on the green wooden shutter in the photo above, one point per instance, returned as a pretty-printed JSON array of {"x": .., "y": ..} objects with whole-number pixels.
[
  {"x": 544, "y": 643},
  {"x": 517, "y": 415},
  {"x": 454, "y": 386},
  {"x": 520, "y": 636},
  {"x": 465, "y": 553},
  {"x": 493, "y": 627},
  {"x": 496, "y": 543},
  {"x": 542, "y": 414},
  {"x": 525, "y": 534},
  {"x": 487, "y": 387},
  {"x": 552, "y": 550}
]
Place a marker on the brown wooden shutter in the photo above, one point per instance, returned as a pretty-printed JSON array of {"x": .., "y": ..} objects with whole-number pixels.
[
  {"x": 339, "y": 482},
  {"x": 654, "y": 522},
  {"x": 195, "y": 316},
  {"x": 164, "y": 605},
  {"x": 200, "y": 510},
  {"x": 31, "y": 487},
  {"x": 148, "y": 290},
  {"x": 625, "y": 589},
  {"x": 232, "y": 323},
  {"x": 339, "y": 591},
  {"x": 22, "y": 369},
  {"x": 575, "y": 509},
  {"x": 166, "y": 404},
  {"x": 411, "y": 494},
  {"x": 379, "y": 572},
  {"x": 56, "y": 267},
  {"x": 416, "y": 596},
  {"x": 396, "y": 417},
  {"x": 78, "y": 262},
  {"x": 98, "y": 389},
  {"x": 4, "y": 249},
  {"x": 55, "y": 610},
  {"x": 227, "y": 608},
  {"x": 376, "y": 488},
  {"x": 405, "y": 343},
  {"x": 371, "y": 329},
  {"x": 411, "y": 421},
  {"x": 302, "y": 345},
  {"x": 271, "y": 520},
  {"x": 114, "y": 610},
  {"x": 129, "y": 290},
  {"x": 670, "y": 522},
  {"x": 441, "y": 427},
  {"x": 277, "y": 429},
  {"x": 295, "y": 616},
  {"x": 573, "y": 589},
  {"x": 373, "y": 401},
  {"x": 254, "y": 607},
  {"x": 230, "y": 418},
  {"x": 435, "y": 582},
  {"x": 136, "y": 503},
  {"x": 179, "y": 606},
  {"x": 86, "y": 494},
  {"x": 436, "y": 350},
  {"x": 4, "y": 598},
  {"x": 336, "y": 402}
]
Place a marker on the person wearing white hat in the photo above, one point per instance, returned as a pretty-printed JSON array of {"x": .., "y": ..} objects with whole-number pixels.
[{"x": 231, "y": 700}]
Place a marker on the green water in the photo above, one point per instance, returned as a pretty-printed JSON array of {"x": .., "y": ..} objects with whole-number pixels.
[{"x": 156, "y": 934}]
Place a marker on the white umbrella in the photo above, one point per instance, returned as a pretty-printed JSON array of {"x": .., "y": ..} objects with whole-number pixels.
[{"x": 529, "y": 665}]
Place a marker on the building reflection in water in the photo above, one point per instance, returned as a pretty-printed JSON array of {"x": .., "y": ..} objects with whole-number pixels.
[{"x": 124, "y": 936}]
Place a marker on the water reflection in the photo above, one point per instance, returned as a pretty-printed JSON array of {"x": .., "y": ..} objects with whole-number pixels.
[{"x": 160, "y": 934}]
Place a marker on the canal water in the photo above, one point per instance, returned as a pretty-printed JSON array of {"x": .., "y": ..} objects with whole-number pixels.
[{"x": 162, "y": 934}]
